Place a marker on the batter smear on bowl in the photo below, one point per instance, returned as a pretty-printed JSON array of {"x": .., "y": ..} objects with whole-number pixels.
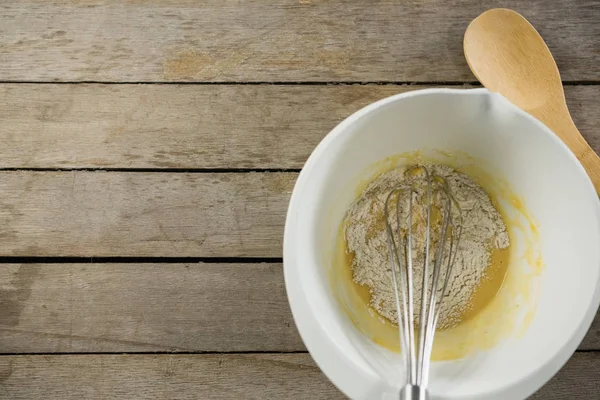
[{"x": 484, "y": 234}]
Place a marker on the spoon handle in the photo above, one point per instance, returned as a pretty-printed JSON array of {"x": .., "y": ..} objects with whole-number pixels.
[{"x": 560, "y": 121}]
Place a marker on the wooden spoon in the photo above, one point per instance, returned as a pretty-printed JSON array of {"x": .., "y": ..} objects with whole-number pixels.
[{"x": 509, "y": 56}]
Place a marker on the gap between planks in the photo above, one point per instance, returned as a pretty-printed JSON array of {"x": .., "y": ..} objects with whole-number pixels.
[
  {"x": 284, "y": 83},
  {"x": 136, "y": 260},
  {"x": 190, "y": 353},
  {"x": 175, "y": 353},
  {"x": 158, "y": 170}
]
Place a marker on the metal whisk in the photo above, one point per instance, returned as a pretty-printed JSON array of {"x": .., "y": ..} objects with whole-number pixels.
[{"x": 426, "y": 230}]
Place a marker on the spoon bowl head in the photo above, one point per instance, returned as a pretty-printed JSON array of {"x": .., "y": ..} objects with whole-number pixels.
[{"x": 509, "y": 56}]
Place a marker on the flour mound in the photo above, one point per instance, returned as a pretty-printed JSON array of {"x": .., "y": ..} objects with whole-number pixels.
[{"x": 366, "y": 239}]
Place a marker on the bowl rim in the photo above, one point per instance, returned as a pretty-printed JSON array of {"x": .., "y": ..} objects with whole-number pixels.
[{"x": 339, "y": 369}]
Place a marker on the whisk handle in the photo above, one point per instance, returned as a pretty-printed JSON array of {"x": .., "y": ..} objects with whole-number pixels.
[{"x": 413, "y": 392}]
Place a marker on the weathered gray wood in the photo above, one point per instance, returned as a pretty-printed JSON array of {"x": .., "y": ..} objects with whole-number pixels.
[
  {"x": 289, "y": 376},
  {"x": 96, "y": 214},
  {"x": 183, "y": 126},
  {"x": 232, "y": 376},
  {"x": 578, "y": 380},
  {"x": 283, "y": 40},
  {"x": 172, "y": 126},
  {"x": 591, "y": 341},
  {"x": 47, "y": 308}
]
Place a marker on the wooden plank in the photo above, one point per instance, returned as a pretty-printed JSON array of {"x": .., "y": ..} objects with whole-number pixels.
[
  {"x": 591, "y": 341},
  {"x": 577, "y": 380},
  {"x": 252, "y": 376},
  {"x": 247, "y": 376},
  {"x": 166, "y": 126},
  {"x": 190, "y": 126},
  {"x": 280, "y": 40},
  {"x": 48, "y": 308},
  {"x": 95, "y": 214}
]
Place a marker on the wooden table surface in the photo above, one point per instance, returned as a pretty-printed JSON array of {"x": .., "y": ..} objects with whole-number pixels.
[{"x": 148, "y": 151}]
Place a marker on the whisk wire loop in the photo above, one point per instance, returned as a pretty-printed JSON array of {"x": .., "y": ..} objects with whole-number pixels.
[{"x": 400, "y": 240}]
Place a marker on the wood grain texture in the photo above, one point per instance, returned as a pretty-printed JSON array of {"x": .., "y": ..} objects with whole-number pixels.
[
  {"x": 95, "y": 214},
  {"x": 47, "y": 308},
  {"x": 171, "y": 126},
  {"x": 233, "y": 376},
  {"x": 578, "y": 379},
  {"x": 289, "y": 376},
  {"x": 281, "y": 40},
  {"x": 193, "y": 126}
]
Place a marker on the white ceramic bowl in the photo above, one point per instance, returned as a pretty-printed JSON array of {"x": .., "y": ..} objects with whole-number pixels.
[{"x": 538, "y": 166}]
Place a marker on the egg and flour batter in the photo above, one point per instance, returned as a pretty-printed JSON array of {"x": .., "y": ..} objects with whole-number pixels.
[
  {"x": 481, "y": 259},
  {"x": 498, "y": 300}
]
